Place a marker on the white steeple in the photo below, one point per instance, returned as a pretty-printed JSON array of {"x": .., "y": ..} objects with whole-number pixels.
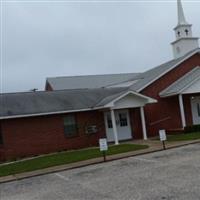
[
  {"x": 185, "y": 42},
  {"x": 181, "y": 16}
]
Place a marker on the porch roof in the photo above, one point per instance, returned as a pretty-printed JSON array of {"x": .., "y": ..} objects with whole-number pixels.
[
  {"x": 182, "y": 85},
  {"x": 15, "y": 105}
]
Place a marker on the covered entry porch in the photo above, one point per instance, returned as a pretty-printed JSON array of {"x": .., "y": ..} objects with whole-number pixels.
[
  {"x": 119, "y": 122},
  {"x": 187, "y": 89}
]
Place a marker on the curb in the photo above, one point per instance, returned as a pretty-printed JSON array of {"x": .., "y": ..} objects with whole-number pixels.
[{"x": 90, "y": 162}]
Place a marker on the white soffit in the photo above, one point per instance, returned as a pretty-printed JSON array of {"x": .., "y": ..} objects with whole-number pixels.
[
  {"x": 130, "y": 100},
  {"x": 183, "y": 83},
  {"x": 194, "y": 88}
]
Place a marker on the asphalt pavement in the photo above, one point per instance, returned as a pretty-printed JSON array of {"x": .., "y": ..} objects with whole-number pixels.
[{"x": 167, "y": 175}]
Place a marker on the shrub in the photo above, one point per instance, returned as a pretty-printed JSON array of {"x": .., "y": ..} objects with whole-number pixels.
[{"x": 193, "y": 128}]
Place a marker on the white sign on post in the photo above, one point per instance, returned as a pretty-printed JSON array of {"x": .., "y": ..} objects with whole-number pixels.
[
  {"x": 103, "y": 144},
  {"x": 162, "y": 134}
]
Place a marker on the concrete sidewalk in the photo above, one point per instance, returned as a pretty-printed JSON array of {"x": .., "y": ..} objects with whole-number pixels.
[{"x": 154, "y": 146}]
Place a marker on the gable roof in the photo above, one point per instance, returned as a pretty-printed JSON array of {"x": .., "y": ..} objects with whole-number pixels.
[
  {"x": 16, "y": 105},
  {"x": 90, "y": 81},
  {"x": 111, "y": 100},
  {"x": 148, "y": 77},
  {"x": 44, "y": 102},
  {"x": 136, "y": 81},
  {"x": 181, "y": 84}
]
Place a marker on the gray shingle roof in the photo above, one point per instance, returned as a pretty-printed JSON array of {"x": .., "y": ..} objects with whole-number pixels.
[
  {"x": 14, "y": 104},
  {"x": 141, "y": 80},
  {"x": 79, "y": 99},
  {"x": 147, "y": 77},
  {"x": 91, "y": 81},
  {"x": 182, "y": 83}
]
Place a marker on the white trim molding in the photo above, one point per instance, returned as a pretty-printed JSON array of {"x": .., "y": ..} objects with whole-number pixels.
[
  {"x": 112, "y": 112},
  {"x": 144, "y": 130},
  {"x": 148, "y": 99},
  {"x": 182, "y": 112}
]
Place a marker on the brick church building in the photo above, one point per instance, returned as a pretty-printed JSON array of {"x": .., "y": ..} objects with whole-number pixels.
[{"x": 74, "y": 112}]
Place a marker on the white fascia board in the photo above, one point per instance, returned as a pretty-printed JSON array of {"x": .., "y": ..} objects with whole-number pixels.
[
  {"x": 185, "y": 38},
  {"x": 149, "y": 99},
  {"x": 109, "y": 105},
  {"x": 182, "y": 90},
  {"x": 150, "y": 82},
  {"x": 185, "y": 88},
  {"x": 168, "y": 95},
  {"x": 50, "y": 113}
]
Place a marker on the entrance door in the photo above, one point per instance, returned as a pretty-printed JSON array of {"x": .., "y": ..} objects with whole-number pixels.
[
  {"x": 196, "y": 110},
  {"x": 123, "y": 125}
]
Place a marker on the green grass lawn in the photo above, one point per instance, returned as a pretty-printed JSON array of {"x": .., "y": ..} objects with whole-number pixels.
[
  {"x": 183, "y": 137},
  {"x": 64, "y": 158}
]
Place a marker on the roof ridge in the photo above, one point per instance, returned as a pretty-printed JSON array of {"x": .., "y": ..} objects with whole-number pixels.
[
  {"x": 116, "y": 94},
  {"x": 67, "y": 90},
  {"x": 73, "y": 76},
  {"x": 172, "y": 60}
]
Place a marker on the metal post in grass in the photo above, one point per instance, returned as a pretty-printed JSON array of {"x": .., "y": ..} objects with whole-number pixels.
[
  {"x": 103, "y": 145},
  {"x": 163, "y": 138}
]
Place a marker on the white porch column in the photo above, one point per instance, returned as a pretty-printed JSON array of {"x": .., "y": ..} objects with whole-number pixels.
[
  {"x": 144, "y": 130},
  {"x": 180, "y": 98},
  {"x": 114, "y": 126}
]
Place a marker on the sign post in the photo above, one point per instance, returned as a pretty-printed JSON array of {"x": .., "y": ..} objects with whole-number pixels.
[
  {"x": 163, "y": 137},
  {"x": 103, "y": 145}
]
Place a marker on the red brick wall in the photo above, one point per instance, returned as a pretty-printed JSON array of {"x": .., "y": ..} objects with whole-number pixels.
[
  {"x": 163, "y": 115},
  {"x": 188, "y": 109},
  {"x": 167, "y": 107},
  {"x": 38, "y": 135},
  {"x": 136, "y": 124}
]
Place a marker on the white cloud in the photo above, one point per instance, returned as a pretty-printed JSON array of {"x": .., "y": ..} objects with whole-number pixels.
[{"x": 58, "y": 39}]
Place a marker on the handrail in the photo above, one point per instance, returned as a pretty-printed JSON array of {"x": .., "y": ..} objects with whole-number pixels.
[{"x": 159, "y": 121}]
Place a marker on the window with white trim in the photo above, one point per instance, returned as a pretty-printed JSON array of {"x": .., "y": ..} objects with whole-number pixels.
[
  {"x": 123, "y": 119},
  {"x": 70, "y": 126}
]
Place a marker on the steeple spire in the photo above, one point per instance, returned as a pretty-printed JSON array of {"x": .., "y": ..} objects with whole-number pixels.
[
  {"x": 181, "y": 15},
  {"x": 185, "y": 42}
]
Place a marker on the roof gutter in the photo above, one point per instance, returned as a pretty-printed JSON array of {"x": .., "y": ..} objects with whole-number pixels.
[
  {"x": 51, "y": 113},
  {"x": 108, "y": 105}
]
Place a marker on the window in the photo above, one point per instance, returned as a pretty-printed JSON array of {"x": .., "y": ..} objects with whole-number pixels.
[
  {"x": 123, "y": 119},
  {"x": 186, "y": 32},
  {"x": 70, "y": 126},
  {"x": 198, "y": 109},
  {"x": 1, "y": 136}
]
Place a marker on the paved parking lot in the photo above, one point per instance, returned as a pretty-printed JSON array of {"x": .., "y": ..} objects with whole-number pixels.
[{"x": 172, "y": 174}]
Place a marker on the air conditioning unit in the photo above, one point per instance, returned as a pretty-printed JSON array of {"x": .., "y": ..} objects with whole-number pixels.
[{"x": 91, "y": 129}]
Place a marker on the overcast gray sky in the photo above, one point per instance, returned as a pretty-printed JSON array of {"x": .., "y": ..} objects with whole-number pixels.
[{"x": 47, "y": 39}]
